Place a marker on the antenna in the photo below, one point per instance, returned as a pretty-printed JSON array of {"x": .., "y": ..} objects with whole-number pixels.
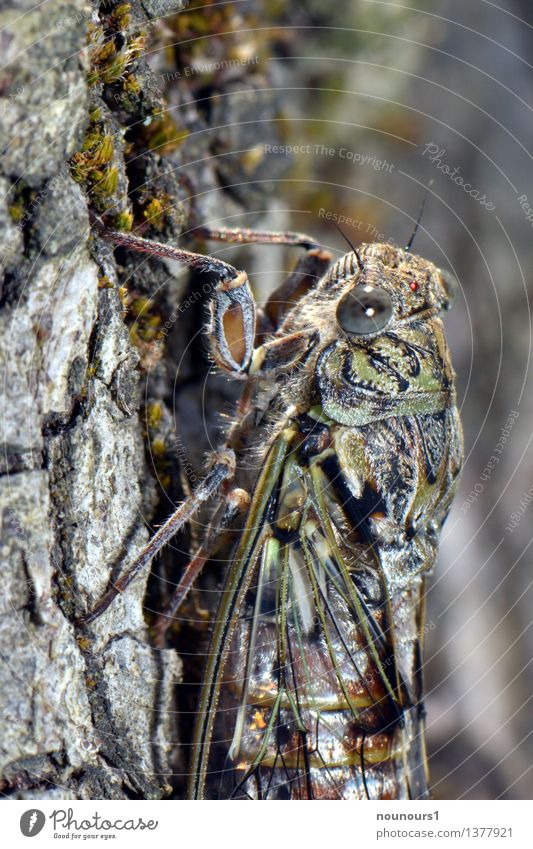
[
  {"x": 358, "y": 258},
  {"x": 419, "y": 219}
]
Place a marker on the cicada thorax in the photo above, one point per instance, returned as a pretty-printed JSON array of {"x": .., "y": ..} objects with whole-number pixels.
[{"x": 313, "y": 685}]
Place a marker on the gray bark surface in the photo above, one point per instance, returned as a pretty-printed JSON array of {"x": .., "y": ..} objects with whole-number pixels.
[
  {"x": 84, "y": 713},
  {"x": 81, "y": 717}
]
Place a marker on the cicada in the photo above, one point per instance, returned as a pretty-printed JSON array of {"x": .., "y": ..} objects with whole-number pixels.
[{"x": 336, "y": 477}]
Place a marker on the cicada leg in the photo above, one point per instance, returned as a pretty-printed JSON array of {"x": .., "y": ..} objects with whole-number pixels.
[
  {"x": 232, "y": 327},
  {"x": 308, "y": 271},
  {"x": 244, "y": 235},
  {"x": 310, "y": 268},
  {"x": 235, "y": 503},
  {"x": 222, "y": 470}
]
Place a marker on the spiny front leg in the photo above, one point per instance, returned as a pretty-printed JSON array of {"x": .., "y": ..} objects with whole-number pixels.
[
  {"x": 232, "y": 333},
  {"x": 233, "y": 321},
  {"x": 233, "y": 326},
  {"x": 201, "y": 262}
]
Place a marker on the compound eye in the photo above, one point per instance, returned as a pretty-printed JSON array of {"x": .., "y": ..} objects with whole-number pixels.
[
  {"x": 364, "y": 310},
  {"x": 450, "y": 285}
]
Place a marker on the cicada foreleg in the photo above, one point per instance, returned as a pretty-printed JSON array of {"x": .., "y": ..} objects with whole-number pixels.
[
  {"x": 232, "y": 329},
  {"x": 310, "y": 268},
  {"x": 235, "y": 319}
]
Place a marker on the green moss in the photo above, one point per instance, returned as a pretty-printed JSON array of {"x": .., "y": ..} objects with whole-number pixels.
[
  {"x": 105, "y": 183},
  {"x": 113, "y": 48},
  {"x": 157, "y": 210},
  {"x": 16, "y": 211},
  {"x": 94, "y": 166},
  {"x": 158, "y": 448},
  {"x": 121, "y": 15},
  {"x": 124, "y": 297},
  {"x": 154, "y": 413},
  {"x": 163, "y": 135},
  {"x": 97, "y": 150},
  {"x": 140, "y": 305},
  {"x": 123, "y": 221},
  {"x": 154, "y": 213},
  {"x": 131, "y": 85}
]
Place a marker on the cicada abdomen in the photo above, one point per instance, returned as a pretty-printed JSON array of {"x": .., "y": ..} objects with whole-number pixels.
[{"x": 313, "y": 684}]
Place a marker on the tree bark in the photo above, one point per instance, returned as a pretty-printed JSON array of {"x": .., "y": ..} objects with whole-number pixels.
[{"x": 85, "y": 713}]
